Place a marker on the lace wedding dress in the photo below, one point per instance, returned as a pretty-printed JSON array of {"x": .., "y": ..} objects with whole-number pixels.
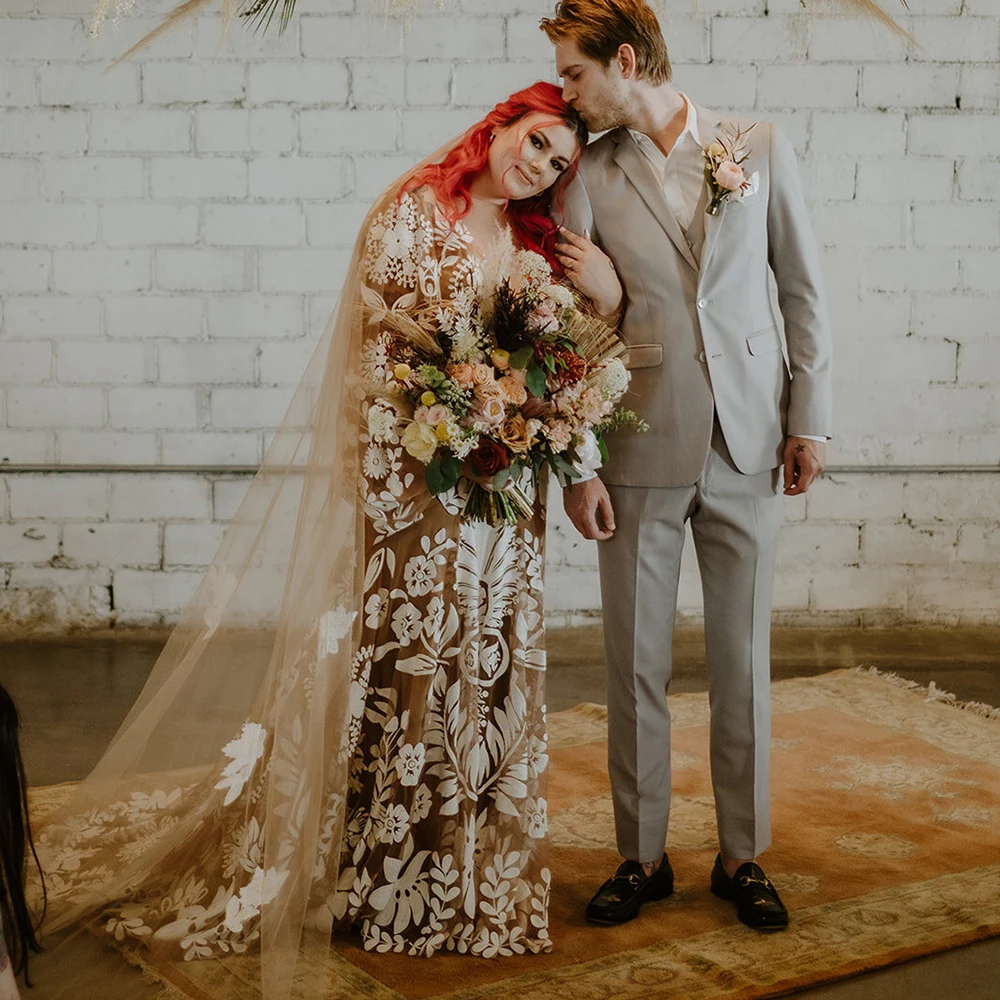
[{"x": 347, "y": 728}]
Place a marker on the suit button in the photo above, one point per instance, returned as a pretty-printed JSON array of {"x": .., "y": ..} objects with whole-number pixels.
[
  {"x": 702, "y": 303},
  {"x": 701, "y": 357}
]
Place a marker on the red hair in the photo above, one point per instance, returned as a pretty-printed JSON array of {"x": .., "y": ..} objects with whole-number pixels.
[{"x": 451, "y": 179}]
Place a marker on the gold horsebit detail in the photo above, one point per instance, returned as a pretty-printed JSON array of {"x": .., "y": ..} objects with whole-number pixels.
[{"x": 747, "y": 880}]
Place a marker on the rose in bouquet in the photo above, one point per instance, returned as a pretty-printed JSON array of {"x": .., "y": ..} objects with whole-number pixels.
[{"x": 502, "y": 381}]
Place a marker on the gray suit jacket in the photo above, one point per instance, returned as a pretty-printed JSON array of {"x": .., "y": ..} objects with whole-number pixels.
[{"x": 702, "y": 331}]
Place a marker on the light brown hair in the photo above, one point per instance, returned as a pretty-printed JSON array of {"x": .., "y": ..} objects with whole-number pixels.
[{"x": 601, "y": 27}]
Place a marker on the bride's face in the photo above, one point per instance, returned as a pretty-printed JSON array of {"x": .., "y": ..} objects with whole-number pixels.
[{"x": 528, "y": 157}]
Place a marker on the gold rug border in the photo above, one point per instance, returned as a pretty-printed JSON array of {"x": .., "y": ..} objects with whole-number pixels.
[{"x": 691, "y": 955}]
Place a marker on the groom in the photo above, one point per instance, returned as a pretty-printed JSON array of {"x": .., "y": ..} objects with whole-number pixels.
[{"x": 731, "y": 423}]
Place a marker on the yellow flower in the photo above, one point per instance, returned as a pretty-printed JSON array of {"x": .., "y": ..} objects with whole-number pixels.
[
  {"x": 500, "y": 359},
  {"x": 442, "y": 433},
  {"x": 402, "y": 371},
  {"x": 420, "y": 441},
  {"x": 716, "y": 150},
  {"x": 428, "y": 398}
]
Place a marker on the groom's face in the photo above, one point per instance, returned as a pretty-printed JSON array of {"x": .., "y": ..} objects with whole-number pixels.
[{"x": 599, "y": 93}]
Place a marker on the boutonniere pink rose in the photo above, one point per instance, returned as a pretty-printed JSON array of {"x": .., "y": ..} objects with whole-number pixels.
[{"x": 724, "y": 161}]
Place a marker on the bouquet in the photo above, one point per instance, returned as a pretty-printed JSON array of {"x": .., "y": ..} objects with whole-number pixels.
[{"x": 501, "y": 381}]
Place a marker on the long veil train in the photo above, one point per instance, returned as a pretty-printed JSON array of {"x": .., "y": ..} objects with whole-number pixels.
[{"x": 269, "y": 636}]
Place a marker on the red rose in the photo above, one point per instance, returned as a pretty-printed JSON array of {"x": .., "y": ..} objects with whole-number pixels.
[{"x": 489, "y": 457}]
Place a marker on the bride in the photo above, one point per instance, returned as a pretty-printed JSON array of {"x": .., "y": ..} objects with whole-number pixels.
[{"x": 347, "y": 728}]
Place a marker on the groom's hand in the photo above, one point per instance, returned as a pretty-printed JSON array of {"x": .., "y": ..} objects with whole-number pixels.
[
  {"x": 805, "y": 459},
  {"x": 589, "y": 507}
]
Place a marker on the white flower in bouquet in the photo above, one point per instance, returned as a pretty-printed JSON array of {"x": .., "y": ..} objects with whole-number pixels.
[
  {"x": 612, "y": 379},
  {"x": 461, "y": 440},
  {"x": 533, "y": 267},
  {"x": 559, "y": 294}
]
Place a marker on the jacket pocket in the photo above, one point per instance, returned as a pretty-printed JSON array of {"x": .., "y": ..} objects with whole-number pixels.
[
  {"x": 644, "y": 356},
  {"x": 764, "y": 341}
]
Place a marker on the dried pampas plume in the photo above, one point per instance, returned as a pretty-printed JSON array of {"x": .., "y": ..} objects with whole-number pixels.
[{"x": 260, "y": 14}]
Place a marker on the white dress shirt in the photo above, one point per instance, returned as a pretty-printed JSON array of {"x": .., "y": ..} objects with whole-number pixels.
[{"x": 681, "y": 173}]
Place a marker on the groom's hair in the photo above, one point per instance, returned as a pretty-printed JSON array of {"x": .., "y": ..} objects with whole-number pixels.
[{"x": 601, "y": 27}]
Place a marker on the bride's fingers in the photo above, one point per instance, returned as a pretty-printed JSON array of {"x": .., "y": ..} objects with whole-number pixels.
[
  {"x": 577, "y": 241},
  {"x": 568, "y": 250}
]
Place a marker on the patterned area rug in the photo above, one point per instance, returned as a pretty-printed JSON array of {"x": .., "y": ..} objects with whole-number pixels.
[{"x": 885, "y": 809}]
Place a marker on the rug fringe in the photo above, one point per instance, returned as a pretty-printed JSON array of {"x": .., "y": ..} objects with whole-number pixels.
[
  {"x": 167, "y": 991},
  {"x": 932, "y": 692}
]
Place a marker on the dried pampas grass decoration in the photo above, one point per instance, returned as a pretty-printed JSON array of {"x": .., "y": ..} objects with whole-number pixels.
[{"x": 260, "y": 14}]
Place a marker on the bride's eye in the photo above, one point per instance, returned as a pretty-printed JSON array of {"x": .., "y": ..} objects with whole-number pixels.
[
  {"x": 559, "y": 166},
  {"x": 536, "y": 140}
]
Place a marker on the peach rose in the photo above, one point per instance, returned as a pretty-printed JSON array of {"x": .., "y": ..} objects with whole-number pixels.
[
  {"x": 519, "y": 375},
  {"x": 512, "y": 390},
  {"x": 481, "y": 374},
  {"x": 729, "y": 175},
  {"x": 438, "y": 414},
  {"x": 514, "y": 433},
  {"x": 492, "y": 410},
  {"x": 462, "y": 374}
]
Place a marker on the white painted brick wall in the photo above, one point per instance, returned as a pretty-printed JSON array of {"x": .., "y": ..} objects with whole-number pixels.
[{"x": 173, "y": 235}]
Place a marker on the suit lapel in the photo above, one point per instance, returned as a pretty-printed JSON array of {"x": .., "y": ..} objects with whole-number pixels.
[
  {"x": 636, "y": 168},
  {"x": 708, "y": 126}
]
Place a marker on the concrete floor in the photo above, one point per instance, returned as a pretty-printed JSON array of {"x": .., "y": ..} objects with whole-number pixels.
[{"x": 64, "y": 736}]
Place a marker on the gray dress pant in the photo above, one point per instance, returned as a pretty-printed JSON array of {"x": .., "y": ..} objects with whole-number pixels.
[{"x": 735, "y": 520}]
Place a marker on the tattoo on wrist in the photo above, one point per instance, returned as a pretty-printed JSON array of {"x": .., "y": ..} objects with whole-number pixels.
[{"x": 799, "y": 448}]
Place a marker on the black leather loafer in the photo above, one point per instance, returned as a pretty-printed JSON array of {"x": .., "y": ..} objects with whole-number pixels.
[
  {"x": 758, "y": 904},
  {"x": 619, "y": 899}
]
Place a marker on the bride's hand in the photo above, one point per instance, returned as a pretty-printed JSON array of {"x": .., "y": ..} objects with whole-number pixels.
[{"x": 590, "y": 270}]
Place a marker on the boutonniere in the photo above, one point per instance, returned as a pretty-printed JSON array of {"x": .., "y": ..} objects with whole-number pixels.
[{"x": 724, "y": 161}]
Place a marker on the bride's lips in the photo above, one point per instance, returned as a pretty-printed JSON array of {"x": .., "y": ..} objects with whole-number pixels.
[{"x": 524, "y": 176}]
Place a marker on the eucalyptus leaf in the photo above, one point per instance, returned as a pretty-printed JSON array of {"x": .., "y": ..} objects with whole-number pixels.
[
  {"x": 603, "y": 448},
  {"x": 535, "y": 380},
  {"x": 434, "y": 476},
  {"x": 521, "y": 356}
]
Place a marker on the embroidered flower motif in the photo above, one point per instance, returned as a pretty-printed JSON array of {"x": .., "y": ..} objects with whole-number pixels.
[
  {"x": 376, "y": 462},
  {"x": 333, "y": 627},
  {"x": 381, "y": 424},
  {"x": 536, "y": 818},
  {"x": 393, "y": 824},
  {"x": 410, "y": 763},
  {"x": 243, "y": 754},
  {"x": 260, "y": 891},
  {"x": 419, "y": 576},
  {"x": 377, "y": 609},
  {"x": 421, "y": 808},
  {"x": 407, "y": 623}
]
